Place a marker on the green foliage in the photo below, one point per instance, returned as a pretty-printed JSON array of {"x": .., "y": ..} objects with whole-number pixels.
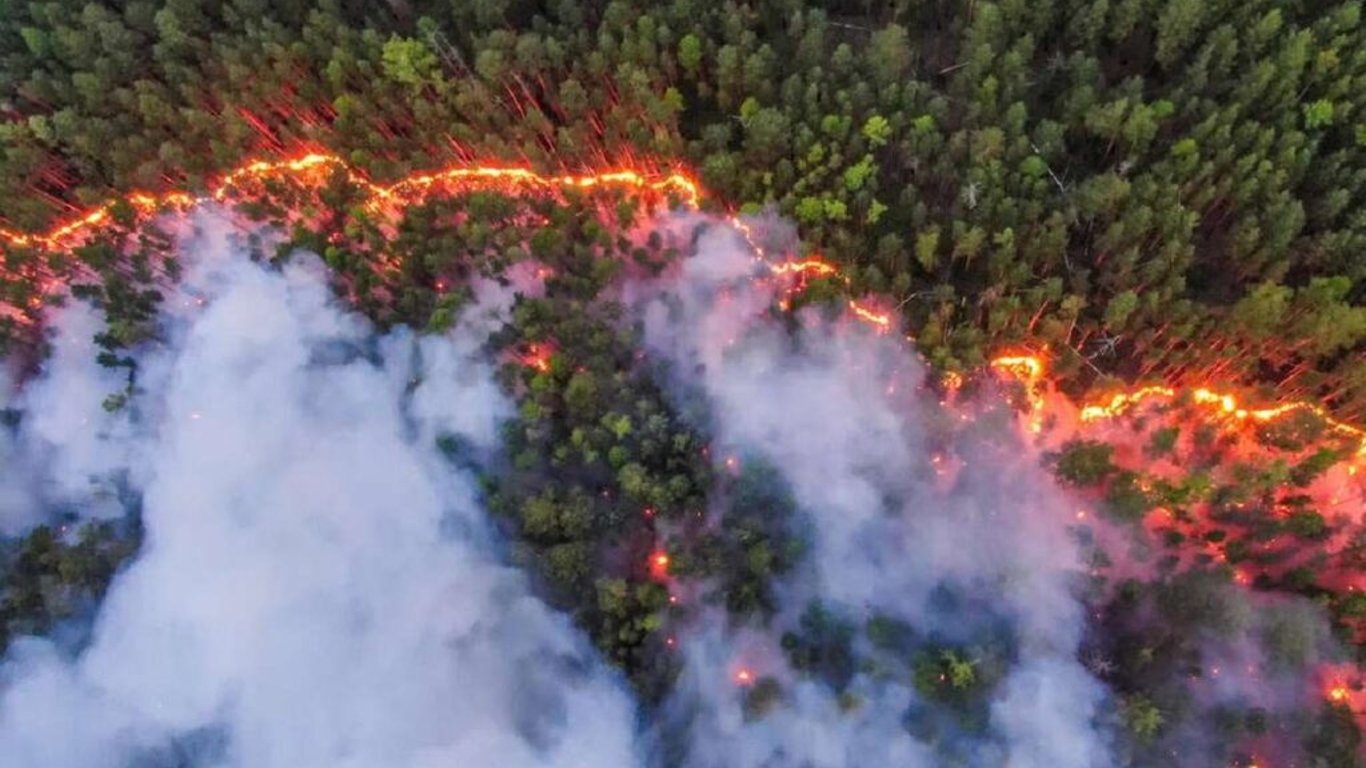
[
  {"x": 1152, "y": 168},
  {"x": 690, "y": 52},
  {"x": 761, "y": 698},
  {"x": 49, "y": 575},
  {"x": 410, "y": 62},
  {"x": 876, "y": 130},
  {"x": 1126, "y": 498},
  {"x": 822, "y": 647},
  {"x": 1335, "y": 741},
  {"x": 1083, "y": 462},
  {"x": 1163, "y": 441},
  {"x": 946, "y": 674},
  {"x": 1141, "y": 717},
  {"x": 1318, "y": 114},
  {"x": 1183, "y": 180}
]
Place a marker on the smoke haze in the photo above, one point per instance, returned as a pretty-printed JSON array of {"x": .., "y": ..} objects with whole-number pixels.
[
  {"x": 833, "y": 407},
  {"x": 319, "y": 585},
  {"x": 316, "y": 586}
]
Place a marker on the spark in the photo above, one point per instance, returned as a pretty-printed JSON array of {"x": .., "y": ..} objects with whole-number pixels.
[{"x": 659, "y": 564}]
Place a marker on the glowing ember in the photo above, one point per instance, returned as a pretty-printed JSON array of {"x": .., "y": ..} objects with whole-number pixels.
[
  {"x": 882, "y": 321},
  {"x": 1026, "y": 367},
  {"x": 1030, "y": 369},
  {"x": 808, "y": 267},
  {"x": 537, "y": 356},
  {"x": 743, "y": 677},
  {"x": 659, "y": 564}
]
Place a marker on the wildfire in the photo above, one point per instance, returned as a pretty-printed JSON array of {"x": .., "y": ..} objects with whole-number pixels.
[
  {"x": 307, "y": 168},
  {"x": 743, "y": 677},
  {"x": 659, "y": 564},
  {"x": 1030, "y": 369},
  {"x": 808, "y": 267},
  {"x": 313, "y": 167},
  {"x": 881, "y": 320},
  {"x": 1122, "y": 401},
  {"x": 316, "y": 168},
  {"x": 537, "y": 356}
]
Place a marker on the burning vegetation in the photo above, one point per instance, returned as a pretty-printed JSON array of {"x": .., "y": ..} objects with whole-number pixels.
[{"x": 795, "y": 486}]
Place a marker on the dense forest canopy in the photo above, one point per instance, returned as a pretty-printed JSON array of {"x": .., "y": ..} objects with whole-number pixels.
[
  {"x": 1147, "y": 188},
  {"x": 1155, "y": 191}
]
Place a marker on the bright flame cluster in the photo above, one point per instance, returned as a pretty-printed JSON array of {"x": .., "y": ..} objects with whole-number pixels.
[
  {"x": 1030, "y": 369},
  {"x": 404, "y": 192}
]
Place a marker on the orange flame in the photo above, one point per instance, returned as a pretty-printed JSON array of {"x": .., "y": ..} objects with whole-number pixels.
[
  {"x": 1030, "y": 369},
  {"x": 881, "y": 320},
  {"x": 411, "y": 189},
  {"x": 810, "y": 266},
  {"x": 404, "y": 191},
  {"x": 659, "y": 564},
  {"x": 538, "y": 357}
]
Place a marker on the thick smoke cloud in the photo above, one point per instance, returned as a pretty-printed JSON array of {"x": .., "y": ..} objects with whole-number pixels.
[
  {"x": 317, "y": 585},
  {"x": 70, "y": 444},
  {"x": 833, "y": 408}
]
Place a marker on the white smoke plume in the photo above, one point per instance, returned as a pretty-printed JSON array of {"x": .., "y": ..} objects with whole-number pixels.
[
  {"x": 54, "y": 462},
  {"x": 830, "y": 406},
  {"x": 317, "y": 586}
]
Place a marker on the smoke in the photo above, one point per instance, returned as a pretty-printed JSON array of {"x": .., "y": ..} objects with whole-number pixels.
[
  {"x": 976, "y": 557},
  {"x": 317, "y": 585},
  {"x": 52, "y": 463}
]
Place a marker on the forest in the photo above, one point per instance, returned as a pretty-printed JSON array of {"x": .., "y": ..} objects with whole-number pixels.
[
  {"x": 1140, "y": 190},
  {"x": 1145, "y": 188}
]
